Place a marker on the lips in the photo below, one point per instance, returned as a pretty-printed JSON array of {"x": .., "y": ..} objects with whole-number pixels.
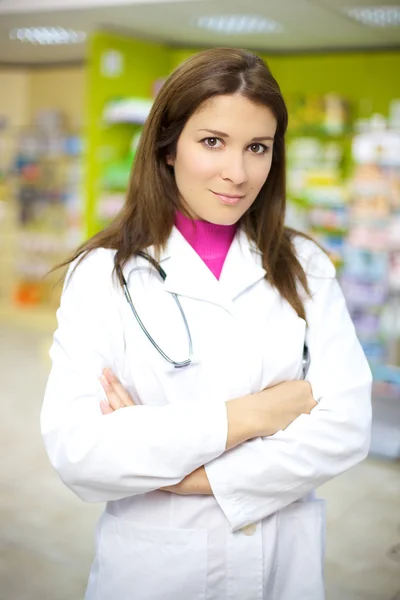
[{"x": 228, "y": 199}]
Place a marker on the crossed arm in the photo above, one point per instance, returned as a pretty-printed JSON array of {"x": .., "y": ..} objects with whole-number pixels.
[
  {"x": 249, "y": 417},
  {"x": 118, "y": 398}
]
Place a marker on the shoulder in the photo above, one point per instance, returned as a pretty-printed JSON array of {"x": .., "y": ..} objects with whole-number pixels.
[
  {"x": 88, "y": 315},
  {"x": 315, "y": 262},
  {"x": 93, "y": 269}
]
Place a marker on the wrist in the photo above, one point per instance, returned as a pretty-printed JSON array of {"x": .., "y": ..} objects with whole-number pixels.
[
  {"x": 202, "y": 484},
  {"x": 195, "y": 483}
]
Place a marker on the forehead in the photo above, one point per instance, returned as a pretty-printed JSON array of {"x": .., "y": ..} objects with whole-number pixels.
[{"x": 233, "y": 114}]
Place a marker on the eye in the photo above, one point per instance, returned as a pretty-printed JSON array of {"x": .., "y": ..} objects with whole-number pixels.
[
  {"x": 212, "y": 142},
  {"x": 258, "y": 148}
]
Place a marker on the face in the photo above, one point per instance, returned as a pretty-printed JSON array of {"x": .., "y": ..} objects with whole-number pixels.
[{"x": 223, "y": 158}]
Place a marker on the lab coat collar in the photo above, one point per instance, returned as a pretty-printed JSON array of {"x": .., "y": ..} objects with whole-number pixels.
[
  {"x": 242, "y": 267},
  {"x": 188, "y": 275}
]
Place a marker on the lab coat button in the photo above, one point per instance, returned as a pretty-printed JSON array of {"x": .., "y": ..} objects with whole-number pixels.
[{"x": 249, "y": 529}]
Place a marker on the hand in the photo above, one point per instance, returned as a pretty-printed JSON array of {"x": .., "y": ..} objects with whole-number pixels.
[
  {"x": 281, "y": 404},
  {"x": 116, "y": 394}
]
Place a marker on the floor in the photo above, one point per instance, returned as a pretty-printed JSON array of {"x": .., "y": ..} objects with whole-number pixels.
[{"x": 46, "y": 534}]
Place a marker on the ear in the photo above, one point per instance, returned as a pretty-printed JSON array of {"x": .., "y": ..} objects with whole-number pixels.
[{"x": 170, "y": 160}]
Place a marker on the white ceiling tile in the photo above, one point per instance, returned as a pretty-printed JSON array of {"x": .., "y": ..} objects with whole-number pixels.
[{"x": 308, "y": 25}]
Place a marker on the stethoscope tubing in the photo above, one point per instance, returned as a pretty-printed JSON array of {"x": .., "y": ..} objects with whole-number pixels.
[
  {"x": 306, "y": 359},
  {"x": 176, "y": 364}
]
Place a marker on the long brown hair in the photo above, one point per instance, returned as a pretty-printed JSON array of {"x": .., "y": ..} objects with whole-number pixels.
[{"x": 152, "y": 199}]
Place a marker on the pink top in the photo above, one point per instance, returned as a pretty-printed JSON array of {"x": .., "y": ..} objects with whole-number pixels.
[{"x": 211, "y": 242}]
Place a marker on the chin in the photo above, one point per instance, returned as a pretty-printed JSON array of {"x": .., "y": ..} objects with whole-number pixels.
[{"x": 227, "y": 218}]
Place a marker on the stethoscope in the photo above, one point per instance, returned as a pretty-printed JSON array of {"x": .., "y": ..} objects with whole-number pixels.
[
  {"x": 163, "y": 275},
  {"x": 306, "y": 359}
]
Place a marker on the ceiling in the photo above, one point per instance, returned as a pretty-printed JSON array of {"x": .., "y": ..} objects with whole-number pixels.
[{"x": 308, "y": 25}]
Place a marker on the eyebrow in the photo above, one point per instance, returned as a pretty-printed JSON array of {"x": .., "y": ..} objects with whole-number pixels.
[{"x": 222, "y": 134}]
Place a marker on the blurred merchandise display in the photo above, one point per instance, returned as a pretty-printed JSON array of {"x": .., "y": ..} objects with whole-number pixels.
[
  {"x": 319, "y": 159},
  {"x": 371, "y": 274},
  {"x": 344, "y": 190},
  {"x": 327, "y": 114},
  {"x": 46, "y": 178},
  {"x": 371, "y": 277},
  {"x": 7, "y": 240}
]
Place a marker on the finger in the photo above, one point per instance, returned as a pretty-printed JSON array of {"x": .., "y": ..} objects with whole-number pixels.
[
  {"x": 113, "y": 398},
  {"x": 118, "y": 388},
  {"x": 106, "y": 409},
  {"x": 115, "y": 392}
]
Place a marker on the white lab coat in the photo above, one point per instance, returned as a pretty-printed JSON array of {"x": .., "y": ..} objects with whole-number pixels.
[{"x": 261, "y": 536}]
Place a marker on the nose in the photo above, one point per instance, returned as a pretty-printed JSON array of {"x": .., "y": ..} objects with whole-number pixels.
[{"x": 234, "y": 168}]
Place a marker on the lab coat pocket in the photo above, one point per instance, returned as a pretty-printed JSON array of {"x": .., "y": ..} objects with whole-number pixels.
[
  {"x": 145, "y": 563},
  {"x": 301, "y": 550}
]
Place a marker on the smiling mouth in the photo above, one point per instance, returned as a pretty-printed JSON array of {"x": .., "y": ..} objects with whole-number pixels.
[
  {"x": 229, "y": 200},
  {"x": 232, "y": 196}
]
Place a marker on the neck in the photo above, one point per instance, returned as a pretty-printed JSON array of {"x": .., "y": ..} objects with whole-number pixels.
[{"x": 210, "y": 241}]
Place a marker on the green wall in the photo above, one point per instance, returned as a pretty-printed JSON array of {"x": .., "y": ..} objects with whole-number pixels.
[
  {"x": 370, "y": 80},
  {"x": 143, "y": 63}
]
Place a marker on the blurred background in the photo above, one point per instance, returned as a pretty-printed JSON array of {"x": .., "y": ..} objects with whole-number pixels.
[{"x": 77, "y": 80}]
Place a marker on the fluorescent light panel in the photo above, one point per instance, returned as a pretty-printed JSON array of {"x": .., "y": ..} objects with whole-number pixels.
[
  {"x": 238, "y": 24},
  {"x": 376, "y": 16},
  {"x": 48, "y": 35}
]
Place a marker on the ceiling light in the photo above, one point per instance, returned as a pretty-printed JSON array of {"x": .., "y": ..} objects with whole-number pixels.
[
  {"x": 231, "y": 24},
  {"x": 376, "y": 16},
  {"x": 48, "y": 35}
]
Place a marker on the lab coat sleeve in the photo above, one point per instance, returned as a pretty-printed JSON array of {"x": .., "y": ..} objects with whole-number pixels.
[
  {"x": 133, "y": 450},
  {"x": 258, "y": 478}
]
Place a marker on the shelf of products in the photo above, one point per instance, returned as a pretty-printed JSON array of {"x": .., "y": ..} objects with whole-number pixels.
[
  {"x": 319, "y": 143},
  {"x": 371, "y": 277},
  {"x": 44, "y": 208},
  {"x": 344, "y": 190}
]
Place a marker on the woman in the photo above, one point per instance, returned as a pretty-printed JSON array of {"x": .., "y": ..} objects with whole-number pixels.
[{"x": 208, "y": 469}]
